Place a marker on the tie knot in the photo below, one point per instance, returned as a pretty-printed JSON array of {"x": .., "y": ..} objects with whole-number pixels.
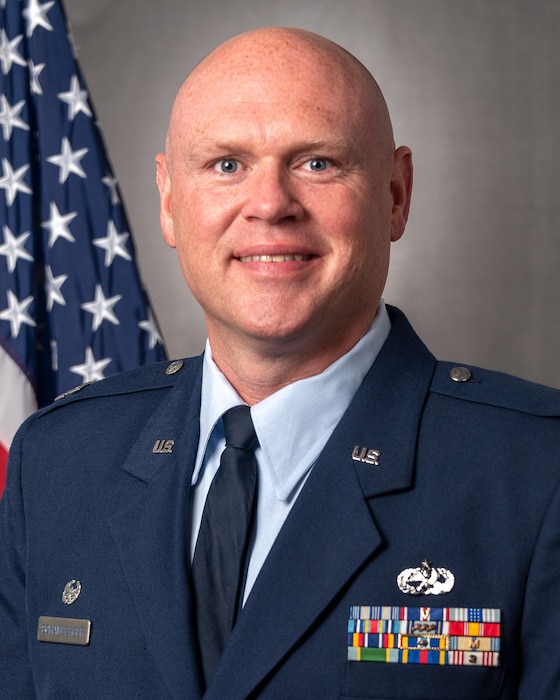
[{"x": 239, "y": 428}]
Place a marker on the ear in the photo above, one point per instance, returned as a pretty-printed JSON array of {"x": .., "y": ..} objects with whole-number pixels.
[
  {"x": 165, "y": 214},
  {"x": 401, "y": 190}
]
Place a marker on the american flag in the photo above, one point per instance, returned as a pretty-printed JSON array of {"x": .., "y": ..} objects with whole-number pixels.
[{"x": 72, "y": 305}]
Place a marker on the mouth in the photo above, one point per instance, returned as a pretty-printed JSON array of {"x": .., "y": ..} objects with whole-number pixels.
[{"x": 284, "y": 257}]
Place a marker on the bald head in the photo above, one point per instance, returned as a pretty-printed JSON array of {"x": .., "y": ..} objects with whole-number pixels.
[{"x": 279, "y": 57}]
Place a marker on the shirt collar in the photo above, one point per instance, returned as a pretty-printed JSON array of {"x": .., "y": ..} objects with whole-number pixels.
[{"x": 294, "y": 423}]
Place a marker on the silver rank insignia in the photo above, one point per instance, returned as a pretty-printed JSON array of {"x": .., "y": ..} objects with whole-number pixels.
[
  {"x": 426, "y": 580},
  {"x": 71, "y": 592}
]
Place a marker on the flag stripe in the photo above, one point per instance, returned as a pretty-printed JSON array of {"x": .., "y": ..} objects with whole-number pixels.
[
  {"x": 3, "y": 463},
  {"x": 18, "y": 402},
  {"x": 20, "y": 398}
]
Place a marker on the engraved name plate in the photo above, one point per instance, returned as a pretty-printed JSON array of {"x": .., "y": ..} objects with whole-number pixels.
[{"x": 63, "y": 630}]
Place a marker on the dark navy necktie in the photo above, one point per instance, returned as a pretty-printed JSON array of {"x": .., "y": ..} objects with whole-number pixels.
[{"x": 220, "y": 558}]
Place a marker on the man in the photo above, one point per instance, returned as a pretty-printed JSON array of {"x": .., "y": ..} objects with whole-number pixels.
[{"x": 406, "y": 538}]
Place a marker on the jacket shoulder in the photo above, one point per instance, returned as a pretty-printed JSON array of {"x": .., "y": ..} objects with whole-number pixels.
[
  {"x": 478, "y": 385},
  {"x": 154, "y": 376}
]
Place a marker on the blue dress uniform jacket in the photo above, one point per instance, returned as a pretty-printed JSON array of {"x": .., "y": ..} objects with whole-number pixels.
[{"x": 467, "y": 477}]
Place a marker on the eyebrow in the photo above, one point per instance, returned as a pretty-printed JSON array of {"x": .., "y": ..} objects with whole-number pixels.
[{"x": 332, "y": 143}]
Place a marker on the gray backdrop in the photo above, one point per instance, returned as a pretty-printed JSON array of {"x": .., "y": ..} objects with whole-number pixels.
[{"x": 473, "y": 87}]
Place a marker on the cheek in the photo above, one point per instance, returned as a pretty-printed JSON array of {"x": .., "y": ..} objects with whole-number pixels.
[
  {"x": 204, "y": 221},
  {"x": 193, "y": 222},
  {"x": 371, "y": 227},
  {"x": 198, "y": 249},
  {"x": 363, "y": 235},
  {"x": 357, "y": 233}
]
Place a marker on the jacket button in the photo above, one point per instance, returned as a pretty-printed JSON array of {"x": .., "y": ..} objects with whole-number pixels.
[
  {"x": 460, "y": 374},
  {"x": 174, "y": 367}
]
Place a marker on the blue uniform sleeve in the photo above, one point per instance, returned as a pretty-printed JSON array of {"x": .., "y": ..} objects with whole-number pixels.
[
  {"x": 15, "y": 669},
  {"x": 540, "y": 672}
]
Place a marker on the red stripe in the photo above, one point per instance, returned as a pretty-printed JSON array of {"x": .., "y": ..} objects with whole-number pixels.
[
  {"x": 17, "y": 401},
  {"x": 3, "y": 462}
]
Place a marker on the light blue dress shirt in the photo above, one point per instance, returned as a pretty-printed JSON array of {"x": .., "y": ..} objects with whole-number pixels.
[{"x": 292, "y": 426}]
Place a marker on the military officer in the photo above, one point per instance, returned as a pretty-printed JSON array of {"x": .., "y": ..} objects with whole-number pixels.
[{"x": 392, "y": 523}]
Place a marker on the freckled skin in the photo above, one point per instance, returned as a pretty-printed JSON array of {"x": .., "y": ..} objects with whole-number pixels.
[{"x": 279, "y": 143}]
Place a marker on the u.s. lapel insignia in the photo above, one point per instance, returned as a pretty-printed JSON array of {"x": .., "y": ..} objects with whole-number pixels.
[
  {"x": 71, "y": 592},
  {"x": 426, "y": 580},
  {"x": 163, "y": 447},
  {"x": 366, "y": 455}
]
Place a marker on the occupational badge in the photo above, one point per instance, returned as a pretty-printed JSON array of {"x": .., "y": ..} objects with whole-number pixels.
[{"x": 426, "y": 580}]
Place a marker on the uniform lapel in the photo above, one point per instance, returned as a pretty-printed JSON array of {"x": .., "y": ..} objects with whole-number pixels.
[
  {"x": 330, "y": 532},
  {"x": 150, "y": 532}
]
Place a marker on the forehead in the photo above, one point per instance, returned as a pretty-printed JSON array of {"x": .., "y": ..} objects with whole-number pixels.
[
  {"x": 271, "y": 93},
  {"x": 281, "y": 86},
  {"x": 277, "y": 55}
]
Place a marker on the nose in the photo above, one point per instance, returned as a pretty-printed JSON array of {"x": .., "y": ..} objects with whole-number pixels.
[{"x": 271, "y": 196}]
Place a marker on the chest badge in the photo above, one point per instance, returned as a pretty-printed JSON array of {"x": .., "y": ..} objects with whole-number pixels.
[{"x": 426, "y": 580}]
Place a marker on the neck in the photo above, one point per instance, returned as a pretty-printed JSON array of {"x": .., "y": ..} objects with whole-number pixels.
[{"x": 258, "y": 369}]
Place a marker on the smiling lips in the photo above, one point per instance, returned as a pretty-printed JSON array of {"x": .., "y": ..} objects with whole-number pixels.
[{"x": 274, "y": 258}]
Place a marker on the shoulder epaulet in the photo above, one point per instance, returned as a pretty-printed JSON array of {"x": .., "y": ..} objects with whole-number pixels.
[
  {"x": 75, "y": 390},
  {"x": 153, "y": 376},
  {"x": 493, "y": 388}
]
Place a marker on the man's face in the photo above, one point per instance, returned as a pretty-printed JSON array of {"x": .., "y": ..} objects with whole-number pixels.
[{"x": 279, "y": 203}]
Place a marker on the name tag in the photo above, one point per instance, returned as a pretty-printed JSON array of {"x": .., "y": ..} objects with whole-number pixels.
[{"x": 63, "y": 630}]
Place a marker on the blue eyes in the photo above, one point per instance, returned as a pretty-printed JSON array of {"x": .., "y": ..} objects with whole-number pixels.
[
  {"x": 227, "y": 166},
  {"x": 230, "y": 166},
  {"x": 318, "y": 165}
]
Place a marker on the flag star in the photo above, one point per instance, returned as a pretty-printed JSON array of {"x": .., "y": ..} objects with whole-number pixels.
[
  {"x": 73, "y": 45},
  {"x": 111, "y": 183},
  {"x": 9, "y": 117},
  {"x": 34, "y": 73},
  {"x": 91, "y": 370},
  {"x": 68, "y": 161},
  {"x": 76, "y": 99},
  {"x": 150, "y": 326},
  {"x": 101, "y": 308},
  {"x": 36, "y": 15},
  {"x": 58, "y": 225},
  {"x": 113, "y": 244},
  {"x": 54, "y": 355},
  {"x": 9, "y": 53},
  {"x": 11, "y": 181},
  {"x": 16, "y": 313},
  {"x": 13, "y": 248},
  {"x": 53, "y": 286}
]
